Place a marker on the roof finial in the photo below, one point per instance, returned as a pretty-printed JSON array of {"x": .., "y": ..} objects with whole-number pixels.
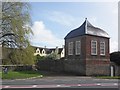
[{"x": 85, "y": 18}]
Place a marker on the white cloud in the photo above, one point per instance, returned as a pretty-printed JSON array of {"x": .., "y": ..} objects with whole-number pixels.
[
  {"x": 43, "y": 36},
  {"x": 64, "y": 19},
  {"x": 68, "y": 20},
  {"x": 61, "y": 18},
  {"x": 93, "y": 19},
  {"x": 113, "y": 46}
]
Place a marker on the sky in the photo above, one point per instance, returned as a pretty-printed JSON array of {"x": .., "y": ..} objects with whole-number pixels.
[{"x": 52, "y": 21}]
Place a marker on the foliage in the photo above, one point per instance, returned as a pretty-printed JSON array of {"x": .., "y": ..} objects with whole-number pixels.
[
  {"x": 15, "y": 33},
  {"x": 38, "y": 57},
  {"x": 53, "y": 56},
  {"x": 115, "y": 57},
  {"x": 19, "y": 56},
  {"x": 15, "y": 18}
]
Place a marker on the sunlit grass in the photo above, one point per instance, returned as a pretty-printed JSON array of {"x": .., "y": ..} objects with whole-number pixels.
[
  {"x": 108, "y": 77},
  {"x": 0, "y": 74},
  {"x": 20, "y": 74}
]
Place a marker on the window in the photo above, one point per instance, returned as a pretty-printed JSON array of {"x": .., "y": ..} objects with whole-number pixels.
[
  {"x": 78, "y": 47},
  {"x": 70, "y": 48},
  {"x": 102, "y": 48},
  {"x": 37, "y": 51},
  {"x": 93, "y": 47},
  {"x": 43, "y": 52}
]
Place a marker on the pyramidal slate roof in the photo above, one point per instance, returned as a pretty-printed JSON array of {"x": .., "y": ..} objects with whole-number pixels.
[{"x": 87, "y": 29}]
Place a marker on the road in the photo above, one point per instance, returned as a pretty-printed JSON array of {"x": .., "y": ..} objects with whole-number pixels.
[{"x": 61, "y": 82}]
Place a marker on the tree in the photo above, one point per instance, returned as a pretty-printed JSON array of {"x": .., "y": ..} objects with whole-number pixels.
[
  {"x": 115, "y": 57},
  {"x": 18, "y": 56},
  {"x": 15, "y": 17},
  {"x": 53, "y": 56},
  {"x": 15, "y": 32}
]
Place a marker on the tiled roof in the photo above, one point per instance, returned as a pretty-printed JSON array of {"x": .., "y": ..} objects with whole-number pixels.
[
  {"x": 87, "y": 29},
  {"x": 48, "y": 50}
]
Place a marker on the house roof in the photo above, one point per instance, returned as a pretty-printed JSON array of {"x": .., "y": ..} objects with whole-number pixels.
[
  {"x": 87, "y": 29},
  {"x": 48, "y": 50}
]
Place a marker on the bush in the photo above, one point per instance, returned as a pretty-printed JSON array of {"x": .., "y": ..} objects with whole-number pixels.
[{"x": 115, "y": 57}]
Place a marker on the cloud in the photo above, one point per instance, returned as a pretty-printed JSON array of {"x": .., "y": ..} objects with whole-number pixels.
[
  {"x": 113, "y": 46},
  {"x": 63, "y": 18},
  {"x": 44, "y": 36},
  {"x": 92, "y": 19},
  {"x": 68, "y": 20}
]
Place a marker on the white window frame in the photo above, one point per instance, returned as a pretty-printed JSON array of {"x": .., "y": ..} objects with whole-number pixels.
[
  {"x": 38, "y": 50},
  {"x": 43, "y": 51},
  {"x": 78, "y": 47},
  {"x": 93, "y": 53},
  {"x": 102, "y": 48},
  {"x": 70, "y": 48}
]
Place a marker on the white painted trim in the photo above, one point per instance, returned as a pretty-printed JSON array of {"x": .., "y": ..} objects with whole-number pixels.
[
  {"x": 76, "y": 47},
  {"x": 104, "y": 48},
  {"x": 91, "y": 47},
  {"x": 70, "y": 46}
]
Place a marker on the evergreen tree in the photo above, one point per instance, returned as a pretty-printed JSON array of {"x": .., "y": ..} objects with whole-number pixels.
[{"x": 115, "y": 57}]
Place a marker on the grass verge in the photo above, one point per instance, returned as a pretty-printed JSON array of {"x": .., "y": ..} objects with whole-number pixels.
[
  {"x": 20, "y": 74},
  {"x": 108, "y": 77}
]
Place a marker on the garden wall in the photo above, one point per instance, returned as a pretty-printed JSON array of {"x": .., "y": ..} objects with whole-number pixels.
[
  {"x": 67, "y": 66},
  {"x": 51, "y": 65}
]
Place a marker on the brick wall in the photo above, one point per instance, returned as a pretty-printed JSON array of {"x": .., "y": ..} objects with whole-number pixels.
[
  {"x": 83, "y": 43},
  {"x": 85, "y": 63},
  {"x": 51, "y": 65},
  {"x": 98, "y": 39},
  {"x": 97, "y": 67},
  {"x": 86, "y": 47},
  {"x": 75, "y": 66},
  {"x": 97, "y": 64}
]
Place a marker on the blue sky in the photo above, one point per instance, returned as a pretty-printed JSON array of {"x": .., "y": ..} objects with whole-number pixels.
[{"x": 53, "y": 20}]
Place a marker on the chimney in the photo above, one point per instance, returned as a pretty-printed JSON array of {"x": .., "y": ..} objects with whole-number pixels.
[
  {"x": 63, "y": 46},
  {"x": 56, "y": 50},
  {"x": 45, "y": 47}
]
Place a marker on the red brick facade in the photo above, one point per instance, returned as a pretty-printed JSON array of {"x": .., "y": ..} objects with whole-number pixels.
[
  {"x": 92, "y": 64},
  {"x": 91, "y": 61}
]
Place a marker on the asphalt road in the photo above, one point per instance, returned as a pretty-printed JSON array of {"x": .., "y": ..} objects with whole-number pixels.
[{"x": 61, "y": 82}]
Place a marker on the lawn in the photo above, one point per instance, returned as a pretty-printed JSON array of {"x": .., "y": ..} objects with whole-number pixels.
[
  {"x": 108, "y": 77},
  {"x": 20, "y": 74}
]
